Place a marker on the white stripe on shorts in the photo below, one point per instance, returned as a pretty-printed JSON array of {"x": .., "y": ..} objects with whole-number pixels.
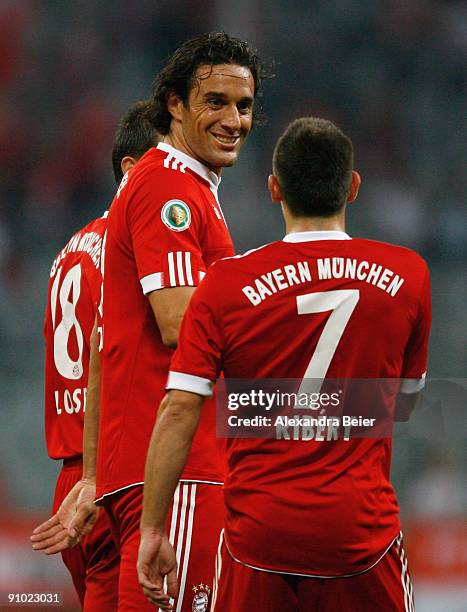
[
  {"x": 217, "y": 571},
  {"x": 181, "y": 528},
  {"x": 182, "y": 579},
  {"x": 405, "y": 578}
]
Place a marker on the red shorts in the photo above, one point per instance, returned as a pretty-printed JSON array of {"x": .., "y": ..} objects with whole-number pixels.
[
  {"x": 93, "y": 563},
  {"x": 194, "y": 526},
  {"x": 386, "y": 587}
]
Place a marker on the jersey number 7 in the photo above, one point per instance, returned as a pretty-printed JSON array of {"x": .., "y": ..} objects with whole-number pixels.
[{"x": 342, "y": 302}]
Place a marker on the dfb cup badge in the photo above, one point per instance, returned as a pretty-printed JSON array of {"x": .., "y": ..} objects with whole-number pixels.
[
  {"x": 201, "y": 598},
  {"x": 176, "y": 215}
]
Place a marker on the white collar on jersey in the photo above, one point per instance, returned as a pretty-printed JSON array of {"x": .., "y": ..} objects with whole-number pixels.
[
  {"x": 316, "y": 235},
  {"x": 200, "y": 169}
]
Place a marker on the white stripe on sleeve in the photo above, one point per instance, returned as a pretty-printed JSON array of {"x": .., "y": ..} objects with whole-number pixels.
[
  {"x": 181, "y": 275},
  {"x": 190, "y": 383},
  {"x": 189, "y": 276},
  {"x": 170, "y": 257},
  {"x": 152, "y": 282},
  {"x": 412, "y": 385}
]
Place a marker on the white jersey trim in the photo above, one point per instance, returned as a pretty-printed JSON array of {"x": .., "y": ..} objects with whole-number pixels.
[
  {"x": 180, "y": 269},
  {"x": 181, "y": 275},
  {"x": 405, "y": 577},
  {"x": 188, "y": 382},
  {"x": 209, "y": 482},
  {"x": 189, "y": 531},
  {"x": 246, "y": 253},
  {"x": 137, "y": 484},
  {"x": 134, "y": 484},
  {"x": 262, "y": 569},
  {"x": 189, "y": 276},
  {"x": 412, "y": 385},
  {"x": 316, "y": 235},
  {"x": 217, "y": 571},
  {"x": 187, "y": 161},
  {"x": 152, "y": 282}
]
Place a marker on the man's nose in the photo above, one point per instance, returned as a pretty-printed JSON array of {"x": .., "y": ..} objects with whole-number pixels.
[{"x": 231, "y": 118}]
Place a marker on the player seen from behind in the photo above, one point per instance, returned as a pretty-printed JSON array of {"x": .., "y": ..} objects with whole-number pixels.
[
  {"x": 310, "y": 524},
  {"x": 74, "y": 293}
]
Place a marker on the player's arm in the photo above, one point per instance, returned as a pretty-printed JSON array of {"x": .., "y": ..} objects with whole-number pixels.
[
  {"x": 195, "y": 365},
  {"x": 77, "y": 513},
  {"x": 170, "y": 445},
  {"x": 169, "y": 306},
  {"x": 169, "y": 259},
  {"x": 91, "y": 417},
  {"x": 406, "y": 403},
  {"x": 416, "y": 355}
]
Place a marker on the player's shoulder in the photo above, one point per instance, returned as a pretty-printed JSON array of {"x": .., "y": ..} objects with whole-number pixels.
[
  {"x": 389, "y": 250},
  {"x": 84, "y": 243},
  {"x": 248, "y": 259},
  {"x": 94, "y": 226},
  {"x": 160, "y": 168},
  {"x": 97, "y": 225}
]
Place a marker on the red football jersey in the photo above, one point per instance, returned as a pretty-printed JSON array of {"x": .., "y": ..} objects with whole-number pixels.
[
  {"x": 165, "y": 227},
  {"x": 73, "y": 296},
  {"x": 315, "y": 305}
]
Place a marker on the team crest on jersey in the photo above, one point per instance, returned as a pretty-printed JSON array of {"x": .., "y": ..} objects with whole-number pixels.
[
  {"x": 201, "y": 598},
  {"x": 176, "y": 215}
]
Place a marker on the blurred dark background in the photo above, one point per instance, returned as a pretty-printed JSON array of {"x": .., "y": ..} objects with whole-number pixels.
[{"x": 391, "y": 73}]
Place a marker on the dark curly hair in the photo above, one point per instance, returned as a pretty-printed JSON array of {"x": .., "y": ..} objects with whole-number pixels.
[
  {"x": 134, "y": 136},
  {"x": 178, "y": 74},
  {"x": 313, "y": 162}
]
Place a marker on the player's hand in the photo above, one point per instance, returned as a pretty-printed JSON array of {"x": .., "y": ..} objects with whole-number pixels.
[
  {"x": 78, "y": 512},
  {"x": 52, "y": 537},
  {"x": 156, "y": 561},
  {"x": 74, "y": 519}
]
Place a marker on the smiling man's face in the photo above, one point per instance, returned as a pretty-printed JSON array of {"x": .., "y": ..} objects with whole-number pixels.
[{"x": 218, "y": 115}]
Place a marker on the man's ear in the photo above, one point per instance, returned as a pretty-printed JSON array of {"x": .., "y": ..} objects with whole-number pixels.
[
  {"x": 275, "y": 189},
  {"x": 127, "y": 163},
  {"x": 354, "y": 186},
  {"x": 174, "y": 106}
]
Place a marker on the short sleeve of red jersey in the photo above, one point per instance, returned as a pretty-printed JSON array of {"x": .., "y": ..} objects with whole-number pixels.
[
  {"x": 166, "y": 222},
  {"x": 416, "y": 351},
  {"x": 195, "y": 365}
]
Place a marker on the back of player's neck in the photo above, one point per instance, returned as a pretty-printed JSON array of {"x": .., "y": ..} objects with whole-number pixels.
[{"x": 315, "y": 224}]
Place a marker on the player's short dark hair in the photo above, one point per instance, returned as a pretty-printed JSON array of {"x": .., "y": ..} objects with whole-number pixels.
[
  {"x": 134, "y": 136},
  {"x": 179, "y": 72},
  {"x": 313, "y": 163}
]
